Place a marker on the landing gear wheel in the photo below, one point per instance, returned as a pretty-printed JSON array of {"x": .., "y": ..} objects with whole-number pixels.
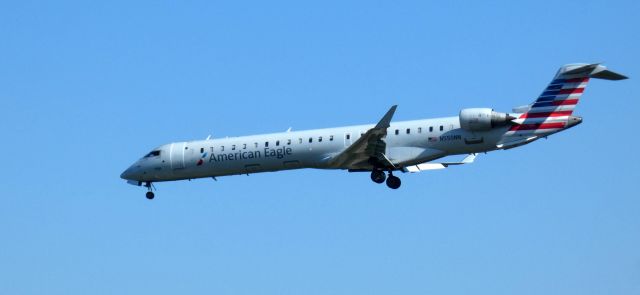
[
  {"x": 150, "y": 195},
  {"x": 393, "y": 182},
  {"x": 378, "y": 176}
]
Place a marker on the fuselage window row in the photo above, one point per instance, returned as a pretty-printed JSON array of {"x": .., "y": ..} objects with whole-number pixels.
[{"x": 255, "y": 144}]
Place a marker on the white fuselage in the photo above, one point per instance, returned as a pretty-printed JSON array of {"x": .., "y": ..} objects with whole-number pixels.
[{"x": 407, "y": 143}]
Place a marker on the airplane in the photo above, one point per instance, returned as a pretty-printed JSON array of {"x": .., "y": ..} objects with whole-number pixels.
[{"x": 408, "y": 146}]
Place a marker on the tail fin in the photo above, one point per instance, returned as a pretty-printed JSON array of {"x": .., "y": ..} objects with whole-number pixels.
[{"x": 553, "y": 107}]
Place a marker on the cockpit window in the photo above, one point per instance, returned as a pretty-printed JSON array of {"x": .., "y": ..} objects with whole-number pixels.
[{"x": 153, "y": 154}]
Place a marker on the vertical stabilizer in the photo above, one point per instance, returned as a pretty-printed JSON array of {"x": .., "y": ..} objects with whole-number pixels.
[{"x": 553, "y": 108}]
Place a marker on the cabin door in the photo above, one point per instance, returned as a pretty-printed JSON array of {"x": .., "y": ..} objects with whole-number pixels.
[{"x": 177, "y": 155}]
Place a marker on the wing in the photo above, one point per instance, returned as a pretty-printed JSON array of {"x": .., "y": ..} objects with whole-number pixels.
[
  {"x": 434, "y": 166},
  {"x": 369, "y": 149}
]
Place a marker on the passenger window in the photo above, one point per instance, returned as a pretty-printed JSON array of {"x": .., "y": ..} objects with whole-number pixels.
[
  {"x": 288, "y": 141},
  {"x": 222, "y": 148},
  {"x": 266, "y": 144},
  {"x": 310, "y": 139},
  {"x": 397, "y": 131},
  {"x": 300, "y": 140},
  {"x": 256, "y": 144},
  {"x": 233, "y": 147},
  {"x": 244, "y": 146},
  {"x": 277, "y": 143},
  {"x": 320, "y": 139},
  {"x": 330, "y": 137},
  {"x": 441, "y": 127},
  {"x": 419, "y": 129},
  {"x": 431, "y": 129},
  {"x": 408, "y": 130},
  {"x": 348, "y": 136},
  {"x": 201, "y": 150}
]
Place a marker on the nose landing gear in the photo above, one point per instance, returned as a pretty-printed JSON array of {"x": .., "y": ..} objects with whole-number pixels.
[
  {"x": 378, "y": 176},
  {"x": 150, "y": 195}
]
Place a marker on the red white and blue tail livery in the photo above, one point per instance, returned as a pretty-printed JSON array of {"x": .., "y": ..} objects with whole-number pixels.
[{"x": 552, "y": 110}]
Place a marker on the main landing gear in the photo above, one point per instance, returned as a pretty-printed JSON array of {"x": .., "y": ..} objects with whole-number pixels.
[
  {"x": 150, "y": 195},
  {"x": 393, "y": 182},
  {"x": 378, "y": 176}
]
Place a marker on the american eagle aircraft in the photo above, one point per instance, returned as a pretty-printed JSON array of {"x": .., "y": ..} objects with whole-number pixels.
[{"x": 380, "y": 149}]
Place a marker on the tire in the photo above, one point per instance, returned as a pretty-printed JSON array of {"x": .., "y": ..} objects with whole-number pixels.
[
  {"x": 378, "y": 176},
  {"x": 393, "y": 182}
]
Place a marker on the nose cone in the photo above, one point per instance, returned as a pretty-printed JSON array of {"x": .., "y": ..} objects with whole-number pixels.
[
  {"x": 132, "y": 173},
  {"x": 573, "y": 121},
  {"x": 127, "y": 174}
]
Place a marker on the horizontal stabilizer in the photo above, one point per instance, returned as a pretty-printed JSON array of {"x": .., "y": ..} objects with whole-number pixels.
[
  {"x": 609, "y": 75},
  {"x": 592, "y": 71}
]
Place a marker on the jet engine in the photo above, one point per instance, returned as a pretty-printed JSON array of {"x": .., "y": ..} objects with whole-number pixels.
[{"x": 482, "y": 119}]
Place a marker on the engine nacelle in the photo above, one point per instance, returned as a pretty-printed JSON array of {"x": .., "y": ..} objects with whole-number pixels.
[{"x": 482, "y": 119}]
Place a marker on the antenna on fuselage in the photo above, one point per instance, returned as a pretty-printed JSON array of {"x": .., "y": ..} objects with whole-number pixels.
[
  {"x": 289, "y": 130},
  {"x": 208, "y": 137}
]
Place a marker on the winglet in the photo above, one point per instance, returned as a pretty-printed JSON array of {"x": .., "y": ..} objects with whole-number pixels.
[
  {"x": 385, "y": 122},
  {"x": 469, "y": 159},
  {"x": 435, "y": 166}
]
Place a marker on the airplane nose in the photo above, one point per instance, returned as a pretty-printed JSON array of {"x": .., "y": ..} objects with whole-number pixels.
[
  {"x": 129, "y": 174},
  {"x": 126, "y": 175}
]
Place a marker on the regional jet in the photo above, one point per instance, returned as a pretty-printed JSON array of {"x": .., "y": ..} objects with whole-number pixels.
[{"x": 383, "y": 149}]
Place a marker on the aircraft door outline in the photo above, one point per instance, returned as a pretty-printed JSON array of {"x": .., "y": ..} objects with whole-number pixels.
[{"x": 176, "y": 155}]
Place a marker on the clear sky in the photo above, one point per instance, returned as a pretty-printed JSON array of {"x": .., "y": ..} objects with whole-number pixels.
[{"x": 88, "y": 88}]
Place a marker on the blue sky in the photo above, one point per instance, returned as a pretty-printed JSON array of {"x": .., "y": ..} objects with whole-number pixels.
[{"x": 87, "y": 88}]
